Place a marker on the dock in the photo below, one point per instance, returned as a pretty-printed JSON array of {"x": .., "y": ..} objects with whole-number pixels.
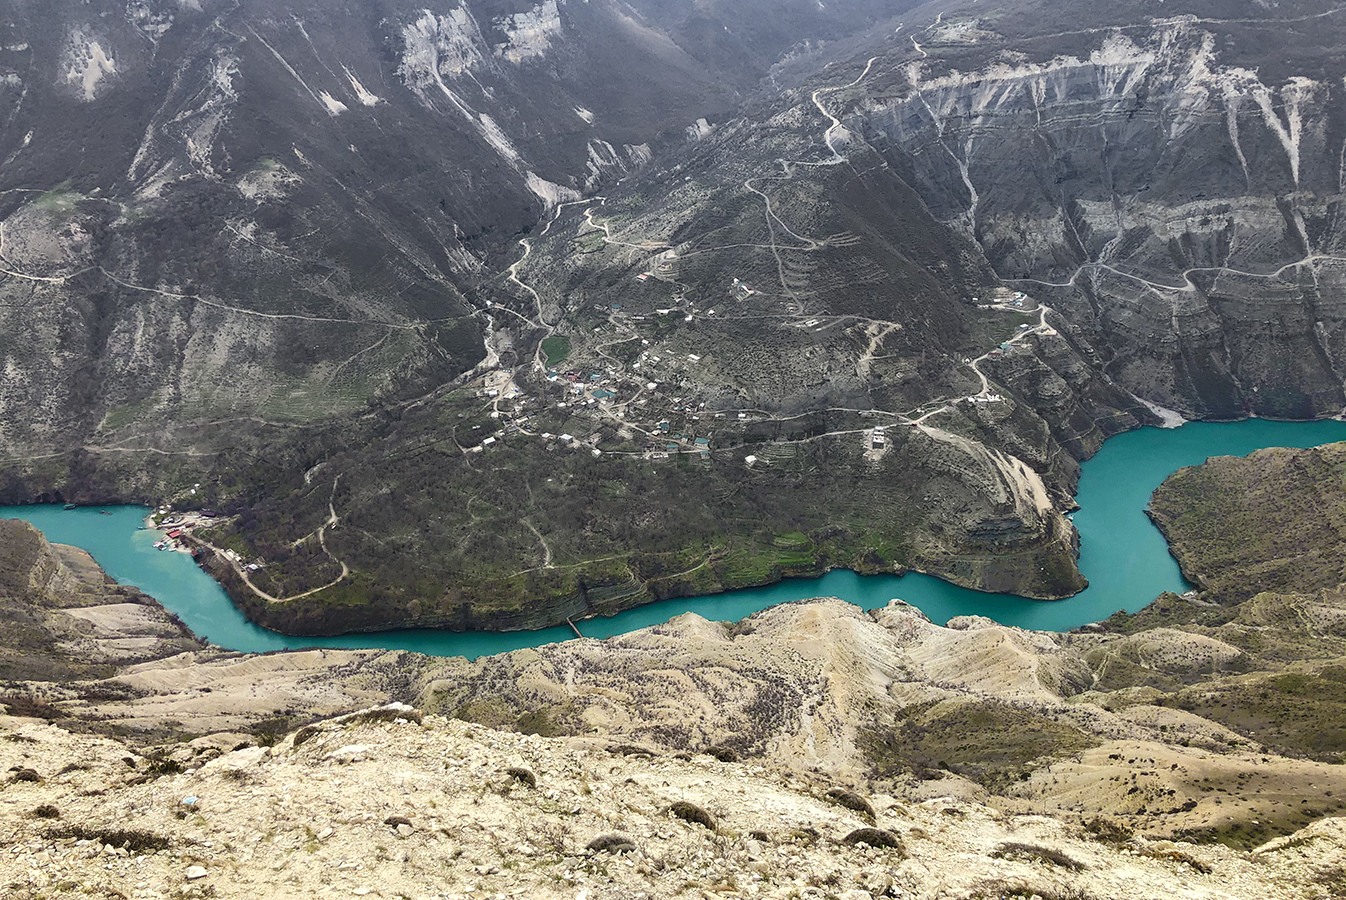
[{"x": 573, "y": 628}]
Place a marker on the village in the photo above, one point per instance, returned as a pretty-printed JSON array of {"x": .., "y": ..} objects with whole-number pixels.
[
  {"x": 630, "y": 387},
  {"x": 178, "y": 527}
]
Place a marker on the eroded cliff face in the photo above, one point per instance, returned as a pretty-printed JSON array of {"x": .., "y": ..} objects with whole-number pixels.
[
  {"x": 66, "y": 619},
  {"x": 1039, "y": 722},
  {"x": 1171, "y": 194},
  {"x": 818, "y": 694}
]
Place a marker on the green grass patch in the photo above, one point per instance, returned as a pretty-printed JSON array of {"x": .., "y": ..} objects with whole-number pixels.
[
  {"x": 794, "y": 540},
  {"x": 125, "y": 414},
  {"x": 556, "y": 348},
  {"x": 746, "y": 567},
  {"x": 59, "y": 200},
  {"x": 990, "y": 328},
  {"x": 590, "y": 242},
  {"x": 1295, "y": 713},
  {"x": 987, "y": 742}
]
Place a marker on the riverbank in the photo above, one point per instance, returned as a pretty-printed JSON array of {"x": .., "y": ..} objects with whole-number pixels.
[
  {"x": 1269, "y": 521},
  {"x": 1124, "y": 556}
]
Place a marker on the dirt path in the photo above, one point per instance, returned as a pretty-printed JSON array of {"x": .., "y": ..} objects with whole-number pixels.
[
  {"x": 57, "y": 279},
  {"x": 772, "y": 219},
  {"x": 1188, "y": 286},
  {"x": 837, "y": 158},
  {"x": 539, "y": 322},
  {"x": 252, "y": 312},
  {"x": 356, "y": 355},
  {"x": 546, "y": 549},
  {"x": 976, "y": 364},
  {"x": 242, "y": 572}
]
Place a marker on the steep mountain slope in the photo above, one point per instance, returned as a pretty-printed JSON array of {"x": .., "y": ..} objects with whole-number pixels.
[
  {"x": 1171, "y": 186},
  {"x": 230, "y": 215},
  {"x": 1163, "y": 183},
  {"x": 703, "y": 330},
  {"x": 830, "y": 256}
]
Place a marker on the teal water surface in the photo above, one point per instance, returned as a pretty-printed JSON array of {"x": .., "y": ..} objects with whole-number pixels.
[{"x": 1122, "y": 554}]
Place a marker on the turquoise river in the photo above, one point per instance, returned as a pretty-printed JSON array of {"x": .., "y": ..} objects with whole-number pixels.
[{"x": 1121, "y": 553}]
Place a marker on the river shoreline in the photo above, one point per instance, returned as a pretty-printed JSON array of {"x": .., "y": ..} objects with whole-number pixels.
[{"x": 1123, "y": 554}]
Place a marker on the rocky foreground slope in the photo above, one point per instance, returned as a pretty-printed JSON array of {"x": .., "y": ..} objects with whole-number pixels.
[{"x": 390, "y": 804}]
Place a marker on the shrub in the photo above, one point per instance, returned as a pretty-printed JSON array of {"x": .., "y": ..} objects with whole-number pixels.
[
  {"x": 389, "y": 713},
  {"x": 1005, "y": 890},
  {"x": 522, "y": 775},
  {"x": 306, "y": 734},
  {"x": 611, "y": 843},
  {"x": 690, "y": 812},
  {"x": 808, "y": 836},
  {"x": 1179, "y": 857},
  {"x": 1014, "y": 850},
  {"x": 552, "y": 835},
  {"x": 630, "y": 750},
  {"x": 852, "y": 802},
  {"x": 26, "y": 706},
  {"x": 1108, "y": 831},
  {"x": 133, "y": 840},
  {"x": 874, "y": 837},
  {"x": 164, "y": 766}
]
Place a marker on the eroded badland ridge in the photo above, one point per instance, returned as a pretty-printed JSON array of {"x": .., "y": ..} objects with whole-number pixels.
[
  {"x": 485, "y": 316},
  {"x": 66, "y": 619}
]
